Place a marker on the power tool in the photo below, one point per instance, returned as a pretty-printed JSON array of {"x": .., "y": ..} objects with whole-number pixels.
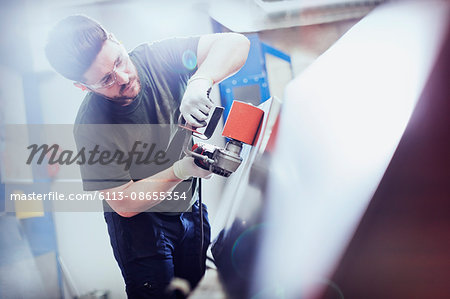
[{"x": 242, "y": 126}]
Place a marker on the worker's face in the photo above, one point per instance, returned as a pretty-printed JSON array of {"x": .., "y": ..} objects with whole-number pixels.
[{"x": 112, "y": 74}]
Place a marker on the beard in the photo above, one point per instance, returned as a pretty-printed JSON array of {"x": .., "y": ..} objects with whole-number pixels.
[{"x": 124, "y": 93}]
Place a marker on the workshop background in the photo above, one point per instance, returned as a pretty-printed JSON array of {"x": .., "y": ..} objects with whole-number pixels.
[{"x": 67, "y": 254}]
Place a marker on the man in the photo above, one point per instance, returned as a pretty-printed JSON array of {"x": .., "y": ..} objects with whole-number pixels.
[{"x": 153, "y": 84}]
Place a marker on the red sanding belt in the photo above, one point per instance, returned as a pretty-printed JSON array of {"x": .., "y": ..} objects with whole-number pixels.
[{"x": 243, "y": 122}]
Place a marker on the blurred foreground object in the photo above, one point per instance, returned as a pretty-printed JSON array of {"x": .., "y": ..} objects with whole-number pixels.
[
  {"x": 373, "y": 108},
  {"x": 356, "y": 201}
]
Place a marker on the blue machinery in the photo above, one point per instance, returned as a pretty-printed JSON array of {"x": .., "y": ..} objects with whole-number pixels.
[{"x": 250, "y": 84}]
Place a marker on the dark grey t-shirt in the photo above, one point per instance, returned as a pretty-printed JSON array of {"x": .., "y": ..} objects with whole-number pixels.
[{"x": 149, "y": 123}]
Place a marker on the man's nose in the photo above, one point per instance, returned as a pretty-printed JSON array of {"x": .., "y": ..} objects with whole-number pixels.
[{"x": 122, "y": 78}]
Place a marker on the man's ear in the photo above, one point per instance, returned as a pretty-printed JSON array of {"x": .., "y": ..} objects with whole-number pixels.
[{"x": 80, "y": 86}]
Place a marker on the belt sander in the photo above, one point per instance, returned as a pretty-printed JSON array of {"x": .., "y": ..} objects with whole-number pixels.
[{"x": 242, "y": 126}]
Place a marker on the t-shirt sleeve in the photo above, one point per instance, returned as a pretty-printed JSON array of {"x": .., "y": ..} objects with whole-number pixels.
[
  {"x": 169, "y": 59},
  {"x": 166, "y": 66},
  {"x": 178, "y": 55}
]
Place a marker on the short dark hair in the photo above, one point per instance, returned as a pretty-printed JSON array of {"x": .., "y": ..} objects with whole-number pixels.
[{"x": 73, "y": 44}]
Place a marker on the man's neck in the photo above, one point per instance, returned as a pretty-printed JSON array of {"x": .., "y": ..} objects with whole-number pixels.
[
  {"x": 125, "y": 102},
  {"x": 120, "y": 102}
]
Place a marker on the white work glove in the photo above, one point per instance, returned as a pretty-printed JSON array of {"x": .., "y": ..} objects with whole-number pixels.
[
  {"x": 195, "y": 105},
  {"x": 186, "y": 168}
]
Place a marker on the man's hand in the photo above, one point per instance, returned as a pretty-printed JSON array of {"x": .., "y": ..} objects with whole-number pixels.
[
  {"x": 186, "y": 168},
  {"x": 195, "y": 105}
]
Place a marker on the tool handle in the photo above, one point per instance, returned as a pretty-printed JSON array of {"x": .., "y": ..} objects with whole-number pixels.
[
  {"x": 214, "y": 120},
  {"x": 210, "y": 128}
]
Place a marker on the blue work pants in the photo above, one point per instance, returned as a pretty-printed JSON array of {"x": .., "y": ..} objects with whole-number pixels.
[{"x": 152, "y": 248}]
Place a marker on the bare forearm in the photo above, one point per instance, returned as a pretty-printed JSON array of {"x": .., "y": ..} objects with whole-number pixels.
[
  {"x": 164, "y": 181},
  {"x": 222, "y": 55},
  {"x": 158, "y": 184},
  {"x": 219, "y": 56}
]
